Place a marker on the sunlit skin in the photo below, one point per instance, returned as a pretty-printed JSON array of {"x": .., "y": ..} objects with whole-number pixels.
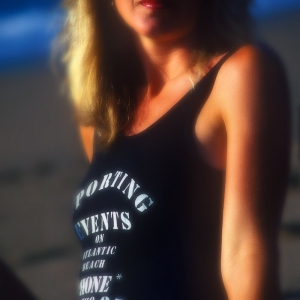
[{"x": 241, "y": 129}]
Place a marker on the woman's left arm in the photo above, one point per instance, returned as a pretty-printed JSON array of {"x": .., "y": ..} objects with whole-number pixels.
[{"x": 255, "y": 111}]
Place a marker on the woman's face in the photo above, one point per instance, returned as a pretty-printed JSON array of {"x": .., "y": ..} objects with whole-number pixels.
[{"x": 160, "y": 19}]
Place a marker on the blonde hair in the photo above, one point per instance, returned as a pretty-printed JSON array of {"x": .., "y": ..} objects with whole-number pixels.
[{"x": 103, "y": 80}]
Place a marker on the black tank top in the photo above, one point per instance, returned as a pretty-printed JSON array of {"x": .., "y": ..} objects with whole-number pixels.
[{"x": 148, "y": 213}]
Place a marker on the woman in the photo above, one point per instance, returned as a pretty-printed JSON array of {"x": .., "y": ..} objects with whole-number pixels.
[{"x": 186, "y": 127}]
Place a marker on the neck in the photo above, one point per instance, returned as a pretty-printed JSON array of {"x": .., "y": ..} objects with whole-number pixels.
[{"x": 164, "y": 61}]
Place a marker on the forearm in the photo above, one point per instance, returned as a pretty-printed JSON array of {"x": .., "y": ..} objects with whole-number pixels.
[{"x": 251, "y": 275}]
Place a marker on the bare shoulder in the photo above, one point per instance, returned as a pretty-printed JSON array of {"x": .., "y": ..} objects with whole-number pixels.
[
  {"x": 249, "y": 102},
  {"x": 251, "y": 87},
  {"x": 252, "y": 60},
  {"x": 252, "y": 76}
]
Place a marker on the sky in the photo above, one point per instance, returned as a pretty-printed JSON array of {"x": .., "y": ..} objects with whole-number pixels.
[{"x": 28, "y": 28}]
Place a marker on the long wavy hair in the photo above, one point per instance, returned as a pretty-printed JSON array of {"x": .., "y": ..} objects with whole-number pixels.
[{"x": 103, "y": 67}]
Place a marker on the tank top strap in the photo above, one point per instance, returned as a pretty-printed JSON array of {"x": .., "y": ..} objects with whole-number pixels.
[
  {"x": 210, "y": 76},
  {"x": 203, "y": 88}
]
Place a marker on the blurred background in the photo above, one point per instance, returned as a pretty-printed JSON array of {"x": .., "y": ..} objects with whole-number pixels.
[{"x": 42, "y": 162}]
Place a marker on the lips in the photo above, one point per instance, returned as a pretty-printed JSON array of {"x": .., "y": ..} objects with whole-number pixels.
[{"x": 156, "y": 4}]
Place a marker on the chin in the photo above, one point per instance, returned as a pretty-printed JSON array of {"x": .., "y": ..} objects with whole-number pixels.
[
  {"x": 158, "y": 19},
  {"x": 160, "y": 30},
  {"x": 150, "y": 29}
]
